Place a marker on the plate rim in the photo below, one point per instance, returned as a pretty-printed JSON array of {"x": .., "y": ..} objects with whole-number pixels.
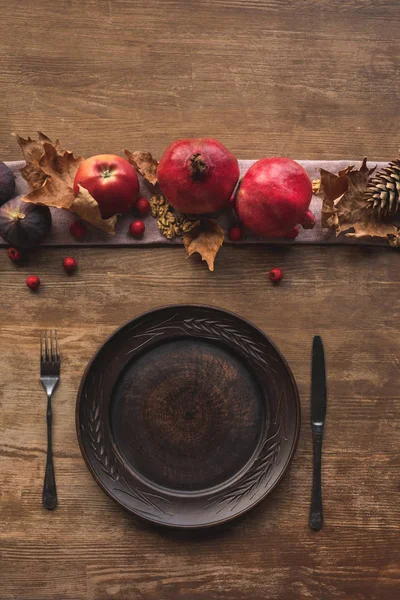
[{"x": 226, "y": 519}]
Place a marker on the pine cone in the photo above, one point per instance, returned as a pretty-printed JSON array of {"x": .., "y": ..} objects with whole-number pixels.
[{"x": 383, "y": 191}]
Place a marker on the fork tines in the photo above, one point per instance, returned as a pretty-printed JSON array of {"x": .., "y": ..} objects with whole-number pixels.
[{"x": 49, "y": 354}]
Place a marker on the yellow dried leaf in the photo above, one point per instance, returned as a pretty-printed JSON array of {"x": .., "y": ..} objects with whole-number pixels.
[
  {"x": 143, "y": 163},
  {"x": 86, "y": 207},
  {"x": 206, "y": 239}
]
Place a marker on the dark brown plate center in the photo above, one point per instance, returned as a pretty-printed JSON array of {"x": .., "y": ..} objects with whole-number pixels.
[{"x": 187, "y": 414}]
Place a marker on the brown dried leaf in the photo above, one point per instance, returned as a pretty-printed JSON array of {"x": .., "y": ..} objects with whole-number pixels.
[
  {"x": 50, "y": 172},
  {"x": 353, "y": 211},
  {"x": 57, "y": 171},
  {"x": 33, "y": 150},
  {"x": 144, "y": 163},
  {"x": 86, "y": 207},
  {"x": 344, "y": 205},
  {"x": 206, "y": 240},
  {"x": 331, "y": 188}
]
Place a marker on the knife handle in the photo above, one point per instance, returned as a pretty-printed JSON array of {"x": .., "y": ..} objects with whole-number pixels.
[{"x": 316, "y": 518}]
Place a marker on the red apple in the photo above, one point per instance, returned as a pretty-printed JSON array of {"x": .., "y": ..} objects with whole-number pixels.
[{"x": 111, "y": 180}]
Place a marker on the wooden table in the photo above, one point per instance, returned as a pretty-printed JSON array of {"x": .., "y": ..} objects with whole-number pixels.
[{"x": 303, "y": 79}]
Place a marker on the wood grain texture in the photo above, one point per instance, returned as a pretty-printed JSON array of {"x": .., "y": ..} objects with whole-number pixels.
[{"x": 307, "y": 79}]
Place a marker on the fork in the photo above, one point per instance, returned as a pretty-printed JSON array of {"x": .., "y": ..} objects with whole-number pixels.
[{"x": 49, "y": 376}]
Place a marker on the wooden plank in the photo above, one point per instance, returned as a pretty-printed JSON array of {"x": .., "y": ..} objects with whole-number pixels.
[{"x": 308, "y": 80}]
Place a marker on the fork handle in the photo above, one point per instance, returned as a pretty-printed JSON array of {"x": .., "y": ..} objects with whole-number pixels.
[{"x": 49, "y": 498}]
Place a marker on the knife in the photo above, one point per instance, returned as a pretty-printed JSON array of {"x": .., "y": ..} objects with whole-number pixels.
[{"x": 318, "y": 410}]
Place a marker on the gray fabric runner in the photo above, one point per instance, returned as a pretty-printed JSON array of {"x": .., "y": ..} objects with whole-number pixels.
[{"x": 60, "y": 235}]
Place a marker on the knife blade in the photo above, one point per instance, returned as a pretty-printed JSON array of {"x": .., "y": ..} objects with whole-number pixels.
[{"x": 318, "y": 412}]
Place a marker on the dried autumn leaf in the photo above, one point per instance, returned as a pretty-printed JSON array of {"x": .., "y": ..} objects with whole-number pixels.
[
  {"x": 345, "y": 207},
  {"x": 353, "y": 211},
  {"x": 206, "y": 239},
  {"x": 144, "y": 163},
  {"x": 50, "y": 172},
  {"x": 86, "y": 207},
  {"x": 331, "y": 188},
  {"x": 33, "y": 150},
  {"x": 58, "y": 173}
]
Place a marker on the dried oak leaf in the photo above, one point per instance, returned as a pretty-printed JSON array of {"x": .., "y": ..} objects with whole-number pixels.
[
  {"x": 144, "y": 163},
  {"x": 50, "y": 173},
  {"x": 344, "y": 204},
  {"x": 206, "y": 239}
]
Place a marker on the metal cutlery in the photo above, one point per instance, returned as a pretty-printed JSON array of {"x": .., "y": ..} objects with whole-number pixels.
[
  {"x": 318, "y": 411},
  {"x": 49, "y": 377}
]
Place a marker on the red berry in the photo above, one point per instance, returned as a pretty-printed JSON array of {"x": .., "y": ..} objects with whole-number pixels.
[
  {"x": 275, "y": 275},
  {"x": 33, "y": 282},
  {"x": 78, "y": 229},
  {"x": 235, "y": 233},
  {"x": 143, "y": 206},
  {"x": 14, "y": 254},
  {"x": 293, "y": 233},
  {"x": 136, "y": 228},
  {"x": 70, "y": 264}
]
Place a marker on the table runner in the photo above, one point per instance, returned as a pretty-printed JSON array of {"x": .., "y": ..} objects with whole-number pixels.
[{"x": 60, "y": 235}]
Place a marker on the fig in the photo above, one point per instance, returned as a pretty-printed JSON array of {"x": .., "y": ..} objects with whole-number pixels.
[
  {"x": 7, "y": 183},
  {"x": 24, "y": 225}
]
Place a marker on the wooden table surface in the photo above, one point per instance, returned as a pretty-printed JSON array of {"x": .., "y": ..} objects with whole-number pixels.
[{"x": 304, "y": 79}]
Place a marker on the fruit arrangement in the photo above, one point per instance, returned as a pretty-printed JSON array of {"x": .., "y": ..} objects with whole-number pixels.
[{"x": 195, "y": 178}]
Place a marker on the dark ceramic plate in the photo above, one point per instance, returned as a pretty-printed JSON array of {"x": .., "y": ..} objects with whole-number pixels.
[{"x": 188, "y": 416}]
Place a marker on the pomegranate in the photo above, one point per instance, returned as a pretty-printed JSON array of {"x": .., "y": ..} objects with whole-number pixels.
[
  {"x": 293, "y": 233},
  {"x": 274, "y": 196},
  {"x": 198, "y": 175}
]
